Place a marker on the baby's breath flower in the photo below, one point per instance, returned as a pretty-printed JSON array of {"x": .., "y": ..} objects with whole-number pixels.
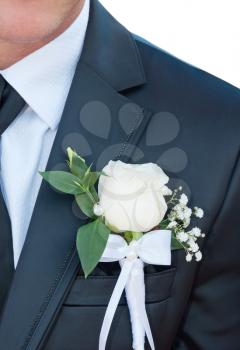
[
  {"x": 180, "y": 215},
  {"x": 182, "y": 236},
  {"x": 179, "y": 212},
  {"x": 183, "y": 199},
  {"x": 187, "y": 212},
  {"x": 172, "y": 224},
  {"x": 166, "y": 191},
  {"x": 189, "y": 257},
  {"x": 196, "y": 232},
  {"x": 193, "y": 246},
  {"x": 172, "y": 216},
  {"x": 177, "y": 208},
  {"x": 193, "y": 238},
  {"x": 199, "y": 213},
  {"x": 198, "y": 256},
  {"x": 186, "y": 222},
  {"x": 179, "y": 219}
]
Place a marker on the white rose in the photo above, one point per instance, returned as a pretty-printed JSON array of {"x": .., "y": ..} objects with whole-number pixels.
[{"x": 131, "y": 197}]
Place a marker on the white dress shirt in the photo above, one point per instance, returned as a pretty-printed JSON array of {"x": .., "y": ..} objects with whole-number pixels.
[{"x": 43, "y": 79}]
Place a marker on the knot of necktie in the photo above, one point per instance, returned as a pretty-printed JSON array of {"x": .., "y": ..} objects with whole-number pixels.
[{"x": 11, "y": 104}]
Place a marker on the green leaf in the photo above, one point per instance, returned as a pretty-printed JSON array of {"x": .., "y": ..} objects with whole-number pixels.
[
  {"x": 91, "y": 242},
  {"x": 80, "y": 169},
  {"x": 94, "y": 193},
  {"x": 175, "y": 244},
  {"x": 164, "y": 224},
  {"x": 85, "y": 203},
  {"x": 63, "y": 181},
  {"x": 77, "y": 164},
  {"x": 90, "y": 179}
]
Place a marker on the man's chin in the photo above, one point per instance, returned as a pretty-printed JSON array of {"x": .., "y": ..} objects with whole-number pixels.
[{"x": 19, "y": 37}]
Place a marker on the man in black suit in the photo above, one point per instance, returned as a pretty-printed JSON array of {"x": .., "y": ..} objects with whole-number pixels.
[{"x": 132, "y": 101}]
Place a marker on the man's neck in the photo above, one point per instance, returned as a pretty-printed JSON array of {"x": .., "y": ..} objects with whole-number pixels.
[{"x": 11, "y": 52}]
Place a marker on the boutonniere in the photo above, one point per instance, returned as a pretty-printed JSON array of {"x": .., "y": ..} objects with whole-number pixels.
[{"x": 134, "y": 219}]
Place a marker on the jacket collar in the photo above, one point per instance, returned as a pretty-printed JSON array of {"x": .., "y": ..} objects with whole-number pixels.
[{"x": 110, "y": 50}]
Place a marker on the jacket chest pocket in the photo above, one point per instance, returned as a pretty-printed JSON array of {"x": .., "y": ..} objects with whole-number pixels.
[{"x": 79, "y": 323}]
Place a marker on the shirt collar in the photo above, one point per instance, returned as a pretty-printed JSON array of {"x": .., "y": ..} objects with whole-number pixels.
[{"x": 44, "y": 77}]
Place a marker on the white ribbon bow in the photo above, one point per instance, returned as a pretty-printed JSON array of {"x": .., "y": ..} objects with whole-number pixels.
[{"x": 153, "y": 248}]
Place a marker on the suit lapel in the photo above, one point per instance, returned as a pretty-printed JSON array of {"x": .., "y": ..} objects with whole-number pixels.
[{"x": 101, "y": 124}]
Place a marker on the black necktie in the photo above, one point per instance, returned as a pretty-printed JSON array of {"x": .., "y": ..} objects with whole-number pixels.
[{"x": 11, "y": 105}]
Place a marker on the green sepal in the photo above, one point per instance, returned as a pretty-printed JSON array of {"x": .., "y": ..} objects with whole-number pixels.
[
  {"x": 63, "y": 181},
  {"x": 91, "y": 242},
  {"x": 132, "y": 236}
]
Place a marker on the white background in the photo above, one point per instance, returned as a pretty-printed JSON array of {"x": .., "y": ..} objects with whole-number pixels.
[{"x": 205, "y": 33}]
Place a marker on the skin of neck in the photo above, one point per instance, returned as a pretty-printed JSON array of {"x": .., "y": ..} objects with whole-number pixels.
[{"x": 13, "y": 50}]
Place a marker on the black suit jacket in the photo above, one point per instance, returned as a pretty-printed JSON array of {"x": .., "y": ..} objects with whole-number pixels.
[{"x": 132, "y": 101}]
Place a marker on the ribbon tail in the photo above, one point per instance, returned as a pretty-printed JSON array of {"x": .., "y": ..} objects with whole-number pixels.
[
  {"x": 135, "y": 293},
  {"x": 114, "y": 301},
  {"x": 146, "y": 326}
]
